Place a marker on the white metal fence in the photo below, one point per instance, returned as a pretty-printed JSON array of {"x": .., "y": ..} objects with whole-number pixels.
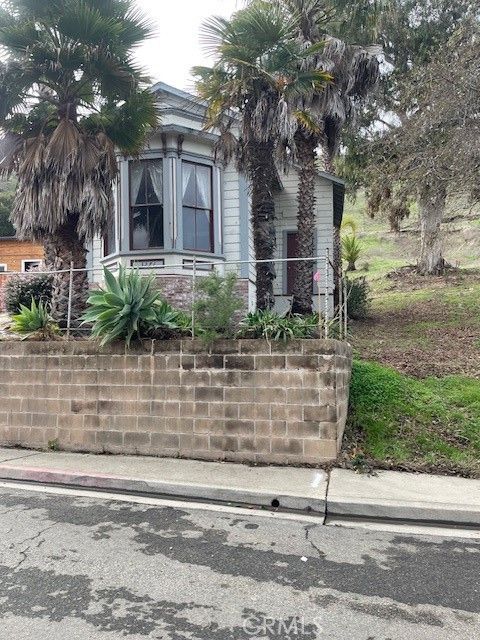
[{"x": 332, "y": 309}]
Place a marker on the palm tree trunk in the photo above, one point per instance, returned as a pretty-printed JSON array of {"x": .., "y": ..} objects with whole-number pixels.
[
  {"x": 49, "y": 253},
  {"x": 431, "y": 210},
  {"x": 303, "y": 283},
  {"x": 329, "y": 162},
  {"x": 261, "y": 170},
  {"x": 337, "y": 264},
  {"x": 65, "y": 248}
]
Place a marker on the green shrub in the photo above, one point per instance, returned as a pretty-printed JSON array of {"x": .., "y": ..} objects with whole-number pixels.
[
  {"x": 358, "y": 293},
  {"x": 34, "y": 321},
  {"x": 124, "y": 308},
  {"x": 273, "y": 326},
  {"x": 21, "y": 289},
  {"x": 351, "y": 251},
  {"x": 216, "y": 306}
]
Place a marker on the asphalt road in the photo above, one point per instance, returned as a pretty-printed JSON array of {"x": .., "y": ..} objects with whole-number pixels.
[{"x": 87, "y": 568}]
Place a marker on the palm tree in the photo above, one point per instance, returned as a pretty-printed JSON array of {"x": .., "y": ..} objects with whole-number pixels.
[
  {"x": 256, "y": 78},
  {"x": 322, "y": 116},
  {"x": 70, "y": 95}
]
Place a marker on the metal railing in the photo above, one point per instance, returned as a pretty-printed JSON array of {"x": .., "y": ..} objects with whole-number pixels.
[{"x": 332, "y": 318}]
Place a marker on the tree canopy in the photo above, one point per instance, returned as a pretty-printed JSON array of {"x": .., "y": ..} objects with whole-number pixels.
[
  {"x": 70, "y": 95},
  {"x": 253, "y": 90}
]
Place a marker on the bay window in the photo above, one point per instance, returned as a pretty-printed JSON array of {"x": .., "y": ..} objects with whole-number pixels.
[
  {"x": 197, "y": 207},
  {"x": 146, "y": 204}
]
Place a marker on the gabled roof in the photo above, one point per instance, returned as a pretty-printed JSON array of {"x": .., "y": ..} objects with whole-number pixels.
[
  {"x": 331, "y": 177},
  {"x": 186, "y": 102},
  {"x": 163, "y": 87}
]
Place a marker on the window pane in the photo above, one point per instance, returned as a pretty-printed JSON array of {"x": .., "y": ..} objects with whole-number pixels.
[
  {"x": 137, "y": 183},
  {"x": 188, "y": 184},
  {"x": 156, "y": 226},
  {"x": 203, "y": 231},
  {"x": 204, "y": 187},
  {"x": 140, "y": 228},
  {"x": 188, "y": 228},
  {"x": 155, "y": 182}
]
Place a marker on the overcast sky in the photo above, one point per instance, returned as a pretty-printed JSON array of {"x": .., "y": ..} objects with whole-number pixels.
[{"x": 170, "y": 55}]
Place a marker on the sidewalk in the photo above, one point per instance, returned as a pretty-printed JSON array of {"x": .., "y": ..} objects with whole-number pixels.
[{"x": 388, "y": 495}]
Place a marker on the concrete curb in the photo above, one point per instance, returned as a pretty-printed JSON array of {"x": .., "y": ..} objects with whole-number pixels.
[
  {"x": 389, "y": 495},
  {"x": 234, "y": 495},
  {"x": 408, "y": 497},
  {"x": 404, "y": 512}
]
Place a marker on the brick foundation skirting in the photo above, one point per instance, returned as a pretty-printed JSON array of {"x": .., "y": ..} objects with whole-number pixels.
[
  {"x": 241, "y": 400},
  {"x": 178, "y": 290}
]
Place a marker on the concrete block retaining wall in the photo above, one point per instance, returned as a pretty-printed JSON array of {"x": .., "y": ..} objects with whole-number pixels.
[{"x": 244, "y": 400}]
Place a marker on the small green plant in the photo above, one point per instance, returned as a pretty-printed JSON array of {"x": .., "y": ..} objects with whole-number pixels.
[
  {"x": 125, "y": 308},
  {"x": 358, "y": 296},
  {"x": 53, "y": 445},
  {"x": 273, "y": 326},
  {"x": 34, "y": 321},
  {"x": 216, "y": 306},
  {"x": 169, "y": 322},
  {"x": 351, "y": 251},
  {"x": 20, "y": 289}
]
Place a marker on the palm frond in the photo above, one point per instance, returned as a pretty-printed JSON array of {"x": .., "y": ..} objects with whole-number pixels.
[
  {"x": 308, "y": 122},
  {"x": 126, "y": 125}
]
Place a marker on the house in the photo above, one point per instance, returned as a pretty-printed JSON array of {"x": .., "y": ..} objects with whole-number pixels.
[
  {"x": 19, "y": 256},
  {"x": 15, "y": 255},
  {"x": 175, "y": 205}
]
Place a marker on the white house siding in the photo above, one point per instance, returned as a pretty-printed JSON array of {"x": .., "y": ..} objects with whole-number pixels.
[
  {"x": 96, "y": 253},
  {"x": 286, "y": 212},
  {"x": 231, "y": 217}
]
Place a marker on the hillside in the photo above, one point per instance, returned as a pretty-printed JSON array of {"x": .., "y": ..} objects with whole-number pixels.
[
  {"x": 422, "y": 326},
  {"x": 385, "y": 250},
  {"x": 415, "y": 398}
]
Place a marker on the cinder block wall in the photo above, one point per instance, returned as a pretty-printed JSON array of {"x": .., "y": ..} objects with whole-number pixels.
[{"x": 244, "y": 400}]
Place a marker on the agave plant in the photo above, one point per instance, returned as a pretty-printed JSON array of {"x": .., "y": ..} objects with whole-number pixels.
[
  {"x": 168, "y": 321},
  {"x": 124, "y": 308},
  {"x": 34, "y": 321}
]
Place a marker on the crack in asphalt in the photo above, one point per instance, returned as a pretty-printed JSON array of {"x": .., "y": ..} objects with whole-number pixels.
[
  {"x": 24, "y": 552},
  {"x": 308, "y": 528}
]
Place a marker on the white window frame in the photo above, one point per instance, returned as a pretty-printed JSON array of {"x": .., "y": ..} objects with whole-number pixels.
[
  {"x": 29, "y": 260},
  {"x": 5, "y": 267}
]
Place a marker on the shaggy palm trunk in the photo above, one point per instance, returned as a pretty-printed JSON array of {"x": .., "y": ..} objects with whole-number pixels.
[
  {"x": 337, "y": 264},
  {"x": 49, "y": 253},
  {"x": 303, "y": 283},
  {"x": 431, "y": 210},
  {"x": 261, "y": 171},
  {"x": 65, "y": 247},
  {"x": 329, "y": 162},
  {"x": 337, "y": 241}
]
